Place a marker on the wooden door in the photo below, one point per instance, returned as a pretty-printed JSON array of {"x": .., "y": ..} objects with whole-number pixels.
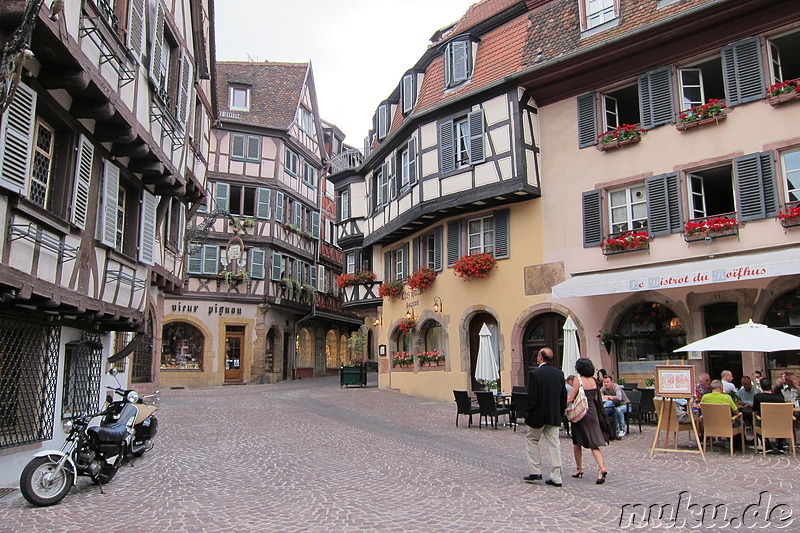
[{"x": 234, "y": 341}]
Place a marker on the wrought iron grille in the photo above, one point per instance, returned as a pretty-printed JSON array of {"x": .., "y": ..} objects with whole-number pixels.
[
  {"x": 83, "y": 365},
  {"x": 28, "y": 375},
  {"x": 142, "y": 358}
]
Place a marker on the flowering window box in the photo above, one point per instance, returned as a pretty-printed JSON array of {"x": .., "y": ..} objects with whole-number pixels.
[
  {"x": 629, "y": 241},
  {"x": 790, "y": 215},
  {"x": 783, "y": 92},
  {"x": 713, "y": 112},
  {"x": 620, "y": 136},
  {"x": 709, "y": 228},
  {"x": 474, "y": 266}
]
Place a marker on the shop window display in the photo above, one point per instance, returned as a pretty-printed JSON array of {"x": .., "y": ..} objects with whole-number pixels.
[{"x": 182, "y": 347}]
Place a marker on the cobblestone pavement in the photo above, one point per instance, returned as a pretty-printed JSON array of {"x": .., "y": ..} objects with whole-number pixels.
[{"x": 309, "y": 456}]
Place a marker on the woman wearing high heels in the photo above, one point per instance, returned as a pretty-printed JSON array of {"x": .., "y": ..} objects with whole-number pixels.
[{"x": 592, "y": 430}]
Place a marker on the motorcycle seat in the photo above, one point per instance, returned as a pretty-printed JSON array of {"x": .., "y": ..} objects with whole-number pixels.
[{"x": 115, "y": 431}]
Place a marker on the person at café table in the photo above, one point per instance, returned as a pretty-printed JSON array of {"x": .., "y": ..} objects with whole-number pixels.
[
  {"x": 703, "y": 387},
  {"x": 718, "y": 396},
  {"x": 768, "y": 397},
  {"x": 787, "y": 387},
  {"x": 727, "y": 382},
  {"x": 615, "y": 402},
  {"x": 746, "y": 393}
]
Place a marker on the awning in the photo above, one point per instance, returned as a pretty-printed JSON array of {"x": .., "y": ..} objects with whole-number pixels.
[{"x": 703, "y": 272}]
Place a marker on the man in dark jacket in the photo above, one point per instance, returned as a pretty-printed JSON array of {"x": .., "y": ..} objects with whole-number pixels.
[
  {"x": 547, "y": 397},
  {"x": 768, "y": 397}
]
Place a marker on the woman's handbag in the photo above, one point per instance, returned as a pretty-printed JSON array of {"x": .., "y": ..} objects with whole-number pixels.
[{"x": 577, "y": 409}]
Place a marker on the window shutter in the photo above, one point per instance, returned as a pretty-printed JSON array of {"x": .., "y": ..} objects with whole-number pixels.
[
  {"x": 210, "y": 259},
  {"x": 656, "y": 97},
  {"x": 253, "y": 148},
  {"x": 412, "y": 160},
  {"x": 664, "y": 204},
  {"x": 315, "y": 224},
  {"x": 204, "y": 208},
  {"x": 181, "y": 227},
  {"x": 312, "y": 276},
  {"x": 147, "y": 229},
  {"x": 501, "y": 237},
  {"x": 475, "y": 120},
  {"x": 592, "y": 219},
  {"x": 298, "y": 214},
  {"x": 237, "y": 145},
  {"x": 587, "y": 120},
  {"x": 383, "y": 119},
  {"x": 279, "y": 206},
  {"x": 756, "y": 191},
  {"x": 386, "y": 183},
  {"x": 221, "y": 191},
  {"x": 453, "y": 242},
  {"x": 16, "y": 140},
  {"x": 110, "y": 195},
  {"x": 437, "y": 248},
  {"x": 406, "y": 255},
  {"x": 158, "y": 42},
  {"x": 408, "y": 93},
  {"x": 415, "y": 258},
  {"x": 460, "y": 57},
  {"x": 322, "y": 286},
  {"x": 262, "y": 202},
  {"x": 743, "y": 71},
  {"x": 195, "y": 265},
  {"x": 184, "y": 90},
  {"x": 83, "y": 180},
  {"x": 387, "y": 266},
  {"x": 257, "y": 263},
  {"x": 277, "y": 266},
  {"x": 447, "y": 160},
  {"x": 135, "y": 37}
]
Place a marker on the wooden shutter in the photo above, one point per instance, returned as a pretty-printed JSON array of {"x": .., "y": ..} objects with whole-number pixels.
[
  {"x": 587, "y": 120},
  {"x": 447, "y": 159},
  {"x": 221, "y": 193},
  {"x": 135, "y": 37},
  {"x": 257, "y": 263},
  {"x": 298, "y": 215},
  {"x": 437, "y": 248},
  {"x": 16, "y": 140},
  {"x": 279, "y": 206},
  {"x": 387, "y": 266},
  {"x": 181, "y": 226},
  {"x": 756, "y": 190},
  {"x": 408, "y": 93},
  {"x": 237, "y": 145},
  {"x": 475, "y": 121},
  {"x": 743, "y": 71},
  {"x": 592, "y": 218},
  {"x": 277, "y": 266},
  {"x": 158, "y": 42},
  {"x": 453, "y": 242},
  {"x": 406, "y": 257},
  {"x": 312, "y": 276},
  {"x": 417, "y": 249},
  {"x": 147, "y": 228},
  {"x": 322, "y": 284},
  {"x": 656, "y": 97},
  {"x": 501, "y": 237},
  {"x": 386, "y": 183},
  {"x": 83, "y": 180},
  {"x": 412, "y": 160},
  {"x": 195, "y": 265},
  {"x": 210, "y": 259},
  {"x": 108, "y": 234},
  {"x": 262, "y": 202},
  {"x": 664, "y": 204},
  {"x": 315, "y": 224},
  {"x": 383, "y": 119},
  {"x": 184, "y": 90},
  {"x": 253, "y": 148},
  {"x": 460, "y": 57}
]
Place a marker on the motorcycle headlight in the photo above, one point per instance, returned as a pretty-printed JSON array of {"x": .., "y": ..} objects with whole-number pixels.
[
  {"x": 132, "y": 396},
  {"x": 67, "y": 425}
]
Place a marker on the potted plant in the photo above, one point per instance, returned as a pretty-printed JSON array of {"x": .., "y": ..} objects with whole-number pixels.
[
  {"x": 491, "y": 386},
  {"x": 291, "y": 287},
  {"x": 307, "y": 292},
  {"x": 422, "y": 279},
  {"x": 619, "y": 136},
  {"x": 783, "y": 92},
  {"x": 630, "y": 241},
  {"x": 391, "y": 289},
  {"x": 232, "y": 278},
  {"x": 407, "y": 324},
  {"x": 402, "y": 359},
  {"x": 353, "y": 372},
  {"x": 702, "y": 228},
  {"x": 474, "y": 266},
  {"x": 712, "y": 112},
  {"x": 357, "y": 343}
]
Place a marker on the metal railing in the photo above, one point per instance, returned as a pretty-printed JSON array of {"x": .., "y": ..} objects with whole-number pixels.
[{"x": 346, "y": 160}]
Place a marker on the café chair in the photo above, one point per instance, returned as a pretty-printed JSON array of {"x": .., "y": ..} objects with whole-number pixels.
[
  {"x": 674, "y": 425},
  {"x": 718, "y": 422},
  {"x": 519, "y": 408},
  {"x": 464, "y": 405},
  {"x": 634, "y": 409},
  {"x": 775, "y": 422},
  {"x": 647, "y": 406},
  {"x": 630, "y": 386},
  {"x": 488, "y": 409}
]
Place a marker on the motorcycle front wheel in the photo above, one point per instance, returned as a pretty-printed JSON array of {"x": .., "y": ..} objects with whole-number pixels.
[{"x": 38, "y": 484}]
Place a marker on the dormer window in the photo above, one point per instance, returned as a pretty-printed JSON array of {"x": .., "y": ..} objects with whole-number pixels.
[
  {"x": 457, "y": 62},
  {"x": 409, "y": 92},
  {"x": 239, "y": 98},
  {"x": 384, "y": 119},
  {"x": 597, "y": 12}
]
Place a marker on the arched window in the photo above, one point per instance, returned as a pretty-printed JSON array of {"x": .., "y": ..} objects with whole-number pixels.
[
  {"x": 182, "y": 347},
  {"x": 649, "y": 331},
  {"x": 404, "y": 341},
  {"x": 332, "y": 349},
  {"x": 344, "y": 350},
  {"x": 433, "y": 332},
  {"x": 305, "y": 349}
]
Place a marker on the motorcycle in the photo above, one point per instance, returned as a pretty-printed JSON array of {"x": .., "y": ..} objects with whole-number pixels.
[{"x": 93, "y": 451}]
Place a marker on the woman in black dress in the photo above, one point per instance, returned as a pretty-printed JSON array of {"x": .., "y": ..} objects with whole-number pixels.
[{"x": 591, "y": 431}]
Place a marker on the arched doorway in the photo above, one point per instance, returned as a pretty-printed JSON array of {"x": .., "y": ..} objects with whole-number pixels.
[
  {"x": 783, "y": 314},
  {"x": 545, "y": 330},
  {"x": 475, "y": 325},
  {"x": 647, "y": 335}
]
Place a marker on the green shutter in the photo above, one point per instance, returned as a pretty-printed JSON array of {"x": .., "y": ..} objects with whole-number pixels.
[
  {"x": 195, "y": 265},
  {"x": 221, "y": 192},
  {"x": 210, "y": 259},
  {"x": 315, "y": 224},
  {"x": 592, "y": 218},
  {"x": 277, "y": 266},
  {"x": 262, "y": 202},
  {"x": 279, "y": 206},
  {"x": 257, "y": 263},
  {"x": 253, "y": 148}
]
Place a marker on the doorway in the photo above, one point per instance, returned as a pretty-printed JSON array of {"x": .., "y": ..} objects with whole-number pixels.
[
  {"x": 718, "y": 318},
  {"x": 475, "y": 326},
  {"x": 234, "y": 341},
  {"x": 545, "y": 330}
]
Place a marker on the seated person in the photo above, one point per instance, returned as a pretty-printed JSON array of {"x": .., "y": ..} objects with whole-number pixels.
[
  {"x": 767, "y": 397},
  {"x": 717, "y": 396},
  {"x": 746, "y": 393},
  {"x": 787, "y": 387},
  {"x": 615, "y": 402},
  {"x": 703, "y": 387},
  {"x": 727, "y": 382}
]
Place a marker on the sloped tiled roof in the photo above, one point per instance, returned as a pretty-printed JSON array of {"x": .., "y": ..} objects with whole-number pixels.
[
  {"x": 479, "y": 12},
  {"x": 275, "y": 90}
]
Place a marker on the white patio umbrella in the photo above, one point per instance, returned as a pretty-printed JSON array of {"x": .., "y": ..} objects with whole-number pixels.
[
  {"x": 486, "y": 368},
  {"x": 572, "y": 351},
  {"x": 750, "y": 337}
]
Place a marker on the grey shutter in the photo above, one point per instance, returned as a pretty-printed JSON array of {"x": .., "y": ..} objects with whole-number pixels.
[
  {"x": 315, "y": 224},
  {"x": 279, "y": 206},
  {"x": 656, "y": 97},
  {"x": 453, "y": 242},
  {"x": 447, "y": 159},
  {"x": 210, "y": 259},
  {"x": 587, "y": 120},
  {"x": 147, "y": 229},
  {"x": 501, "y": 237},
  {"x": 406, "y": 256},
  {"x": 417, "y": 250},
  {"x": 16, "y": 140},
  {"x": 181, "y": 227},
  {"x": 592, "y": 218},
  {"x": 393, "y": 179},
  {"x": 253, "y": 148},
  {"x": 135, "y": 37},
  {"x": 756, "y": 191},
  {"x": 743, "y": 71},
  {"x": 298, "y": 214},
  {"x": 460, "y": 57},
  {"x": 221, "y": 192},
  {"x": 277, "y": 266},
  {"x": 412, "y": 160},
  {"x": 664, "y": 204},
  {"x": 386, "y": 183},
  {"x": 262, "y": 202},
  {"x": 437, "y": 248},
  {"x": 158, "y": 42},
  {"x": 237, "y": 145},
  {"x": 257, "y": 263},
  {"x": 108, "y": 235},
  {"x": 321, "y": 285},
  {"x": 184, "y": 90},
  {"x": 387, "y": 266},
  {"x": 83, "y": 180},
  {"x": 312, "y": 276},
  {"x": 195, "y": 265},
  {"x": 475, "y": 120},
  {"x": 408, "y": 93},
  {"x": 383, "y": 119}
]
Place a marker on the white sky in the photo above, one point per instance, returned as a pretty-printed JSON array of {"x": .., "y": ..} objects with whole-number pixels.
[{"x": 359, "y": 49}]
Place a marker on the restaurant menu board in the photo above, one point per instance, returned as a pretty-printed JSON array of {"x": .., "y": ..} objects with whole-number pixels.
[{"x": 675, "y": 381}]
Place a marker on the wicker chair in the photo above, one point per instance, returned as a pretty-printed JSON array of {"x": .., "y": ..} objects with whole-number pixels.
[
  {"x": 487, "y": 404},
  {"x": 464, "y": 405},
  {"x": 718, "y": 422},
  {"x": 775, "y": 422},
  {"x": 519, "y": 407}
]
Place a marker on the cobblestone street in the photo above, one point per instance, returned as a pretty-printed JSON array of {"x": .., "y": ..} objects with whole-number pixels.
[{"x": 309, "y": 456}]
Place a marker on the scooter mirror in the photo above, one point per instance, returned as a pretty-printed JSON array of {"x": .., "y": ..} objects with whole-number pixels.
[{"x": 113, "y": 371}]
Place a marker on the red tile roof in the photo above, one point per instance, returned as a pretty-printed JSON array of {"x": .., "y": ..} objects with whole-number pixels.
[{"x": 479, "y": 12}]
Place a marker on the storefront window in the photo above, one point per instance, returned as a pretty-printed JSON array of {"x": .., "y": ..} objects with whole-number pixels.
[
  {"x": 332, "y": 349},
  {"x": 182, "y": 347},
  {"x": 784, "y": 314},
  {"x": 305, "y": 350},
  {"x": 648, "y": 332}
]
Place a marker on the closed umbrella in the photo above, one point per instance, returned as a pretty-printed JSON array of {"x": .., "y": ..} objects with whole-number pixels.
[
  {"x": 750, "y": 337},
  {"x": 486, "y": 368},
  {"x": 572, "y": 351}
]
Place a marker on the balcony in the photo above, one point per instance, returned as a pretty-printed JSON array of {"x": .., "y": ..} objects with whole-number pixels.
[
  {"x": 347, "y": 160},
  {"x": 710, "y": 228},
  {"x": 362, "y": 295}
]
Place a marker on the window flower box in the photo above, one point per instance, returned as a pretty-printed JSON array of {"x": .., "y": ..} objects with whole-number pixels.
[
  {"x": 403, "y": 359},
  {"x": 630, "y": 241},
  {"x": 431, "y": 358},
  {"x": 359, "y": 278},
  {"x": 422, "y": 279},
  {"x": 713, "y": 112},
  {"x": 620, "y": 136},
  {"x": 783, "y": 92},
  {"x": 474, "y": 266},
  {"x": 391, "y": 289},
  {"x": 790, "y": 215},
  {"x": 700, "y": 229}
]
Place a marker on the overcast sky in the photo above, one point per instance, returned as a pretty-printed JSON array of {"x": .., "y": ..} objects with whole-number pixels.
[{"x": 359, "y": 49}]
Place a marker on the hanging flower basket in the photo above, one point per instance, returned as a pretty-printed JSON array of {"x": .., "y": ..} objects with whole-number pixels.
[
  {"x": 391, "y": 289},
  {"x": 713, "y": 112},
  {"x": 474, "y": 266},
  {"x": 619, "y": 137},
  {"x": 783, "y": 92},
  {"x": 407, "y": 324},
  {"x": 422, "y": 279}
]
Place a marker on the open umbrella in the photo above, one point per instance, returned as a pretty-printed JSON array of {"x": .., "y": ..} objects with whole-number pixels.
[
  {"x": 750, "y": 337},
  {"x": 571, "y": 350},
  {"x": 486, "y": 368}
]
